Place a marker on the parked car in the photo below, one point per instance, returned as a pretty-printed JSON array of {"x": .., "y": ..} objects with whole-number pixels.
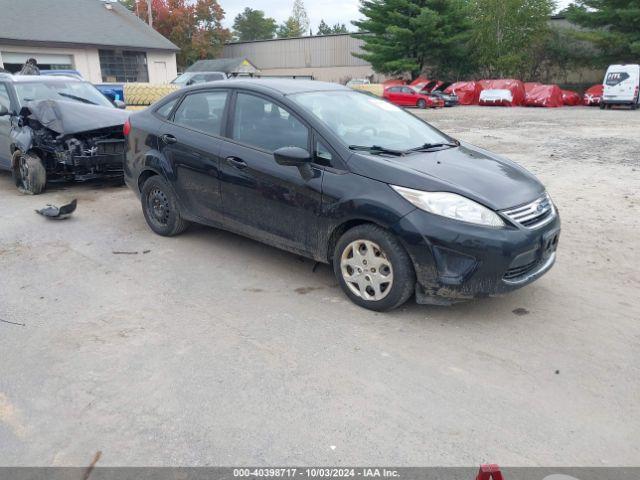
[
  {"x": 393, "y": 204},
  {"x": 450, "y": 100},
  {"x": 407, "y": 96},
  {"x": 113, "y": 91},
  {"x": 193, "y": 78},
  {"x": 358, "y": 81},
  {"x": 621, "y": 86},
  {"x": 57, "y": 127},
  {"x": 64, "y": 73}
]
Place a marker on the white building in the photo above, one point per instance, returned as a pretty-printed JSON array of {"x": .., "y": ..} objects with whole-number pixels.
[{"x": 104, "y": 41}]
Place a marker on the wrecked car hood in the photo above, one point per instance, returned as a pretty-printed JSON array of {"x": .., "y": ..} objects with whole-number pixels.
[{"x": 69, "y": 117}]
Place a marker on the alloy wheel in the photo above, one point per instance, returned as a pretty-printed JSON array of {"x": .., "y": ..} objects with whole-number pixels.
[{"x": 366, "y": 270}]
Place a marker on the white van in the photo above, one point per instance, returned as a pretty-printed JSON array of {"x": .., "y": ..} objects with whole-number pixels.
[{"x": 621, "y": 86}]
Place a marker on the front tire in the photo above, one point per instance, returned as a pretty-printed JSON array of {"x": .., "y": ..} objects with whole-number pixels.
[
  {"x": 373, "y": 269},
  {"x": 29, "y": 174},
  {"x": 160, "y": 208},
  {"x": 422, "y": 103}
]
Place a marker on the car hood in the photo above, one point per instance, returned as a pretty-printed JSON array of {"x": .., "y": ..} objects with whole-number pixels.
[
  {"x": 69, "y": 117},
  {"x": 467, "y": 170}
]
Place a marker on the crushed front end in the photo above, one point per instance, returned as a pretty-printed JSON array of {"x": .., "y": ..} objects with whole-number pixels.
[
  {"x": 74, "y": 141},
  {"x": 91, "y": 154}
]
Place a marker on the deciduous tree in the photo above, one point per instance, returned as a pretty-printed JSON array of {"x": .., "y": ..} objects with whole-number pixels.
[
  {"x": 507, "y": 34},
  {"x": 290, "y": 28},
  {"x": 253, "y": 25},
  {"x": 299, "y": 12},
  {"x": 195, "y": 27}
]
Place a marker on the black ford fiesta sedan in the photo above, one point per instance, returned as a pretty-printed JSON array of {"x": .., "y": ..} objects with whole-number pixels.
[{"x": 397, "y": 207}]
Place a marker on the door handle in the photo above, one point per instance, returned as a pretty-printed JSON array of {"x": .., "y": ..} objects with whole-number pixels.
[
  {"x": 236, "y": 162},
  {"x": 168, "y": 139}
]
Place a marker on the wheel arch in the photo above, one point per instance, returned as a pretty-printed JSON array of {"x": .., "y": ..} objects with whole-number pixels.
[
  {"x": 340, "y": 229},
  {"x": 145, "y": 175}
]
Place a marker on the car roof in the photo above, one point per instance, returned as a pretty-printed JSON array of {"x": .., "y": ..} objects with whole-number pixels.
[
  {"x": 42, "y": 78},
  {"x": 284, "y": 86}
]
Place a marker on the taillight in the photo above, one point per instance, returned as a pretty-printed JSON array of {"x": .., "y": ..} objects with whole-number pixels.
[{"x": 126, "y": 128}]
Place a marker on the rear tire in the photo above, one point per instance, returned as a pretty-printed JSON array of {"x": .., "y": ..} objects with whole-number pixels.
[
  {"x": 373, "y": 269},
  {"x": 422, "y": 103},
  {"x": 29, "y": 174},
  {"x": 161, "y": 209}
]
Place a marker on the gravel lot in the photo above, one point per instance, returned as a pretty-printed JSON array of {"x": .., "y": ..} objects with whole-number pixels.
[{"x": 211, "y": 349}]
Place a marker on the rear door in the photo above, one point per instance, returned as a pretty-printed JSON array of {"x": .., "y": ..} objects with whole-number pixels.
[
  {"x": 393, "y": 94},
  {"x": 191, "y": 141},
  {"x": 274, "y": 203},
  {"x": 5, "y": 127}
]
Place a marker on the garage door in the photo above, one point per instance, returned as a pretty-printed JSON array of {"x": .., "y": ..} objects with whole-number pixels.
[{"x": 13, "y": 61}]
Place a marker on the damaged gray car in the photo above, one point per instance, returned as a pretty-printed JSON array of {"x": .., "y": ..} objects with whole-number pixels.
[{"x": 58, "y": 129}]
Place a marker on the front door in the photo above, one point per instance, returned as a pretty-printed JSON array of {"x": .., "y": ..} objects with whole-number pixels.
[
  {"x": 191, "y": 141},
  {"x": 409, "y": 96},
  {"x": 277, "y": 204},
  {"x": 5, "y": 127}
]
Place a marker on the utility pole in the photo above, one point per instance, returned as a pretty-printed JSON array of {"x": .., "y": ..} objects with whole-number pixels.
[{"x": 149, "y": 13}]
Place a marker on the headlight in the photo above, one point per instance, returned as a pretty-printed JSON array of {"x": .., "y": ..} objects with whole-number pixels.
[{"x": 451, "y": 205}]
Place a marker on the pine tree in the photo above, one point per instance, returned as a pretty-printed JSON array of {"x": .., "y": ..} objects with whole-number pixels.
[
  {"x": 411, "y": 36},
  {"x": 614, "y": 27},
  {"x": 323, "y": 28},
  {"x": 339, "y": 28}
]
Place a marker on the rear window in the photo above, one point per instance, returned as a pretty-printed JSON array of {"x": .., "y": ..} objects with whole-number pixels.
[
  {"x": 202, "y": 111},
  {"x": 165, "y": 110}
]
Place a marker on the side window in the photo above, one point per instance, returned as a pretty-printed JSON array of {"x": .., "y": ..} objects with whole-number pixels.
[
  {"x": 196, "y": 79},
  {"x": 202, "y": 111},
  {"x": 213, "y": 77},
  {"x": 265, "y": 125},
  {"x": 165, "y": 110},
  {"x": 322, "y": 155},
  {"x": 407, "y": 90},
  {"x": 4, "y": 96}
]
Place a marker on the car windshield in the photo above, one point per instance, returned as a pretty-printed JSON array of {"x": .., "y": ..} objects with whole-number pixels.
[
  {"x": 182, "y": 79},
  {"x": 71, "y": 90},
  {"x": 363, "y": 120}
]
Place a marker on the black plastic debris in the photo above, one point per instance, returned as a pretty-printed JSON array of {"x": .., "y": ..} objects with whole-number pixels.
[{"x": 58, "y": 213}]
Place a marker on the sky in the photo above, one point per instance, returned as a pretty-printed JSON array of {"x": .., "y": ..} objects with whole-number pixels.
[{"x": 331, "y": 11}]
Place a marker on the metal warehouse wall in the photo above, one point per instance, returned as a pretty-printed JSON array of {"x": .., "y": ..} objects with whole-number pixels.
[{"x": 305, "y": 52}]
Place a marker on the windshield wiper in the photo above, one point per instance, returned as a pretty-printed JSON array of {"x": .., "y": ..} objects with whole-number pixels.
[
  {"x": 376, "y": 149},
  {"x": 431, "y": 146},
  {"x": 75, "y": 97}
]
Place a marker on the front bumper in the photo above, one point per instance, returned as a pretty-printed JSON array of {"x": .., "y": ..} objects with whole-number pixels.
[{"x": 456, "y": 261}]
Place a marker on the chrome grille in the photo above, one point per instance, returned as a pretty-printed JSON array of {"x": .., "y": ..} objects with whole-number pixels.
[{"x": 534, "y": 214}]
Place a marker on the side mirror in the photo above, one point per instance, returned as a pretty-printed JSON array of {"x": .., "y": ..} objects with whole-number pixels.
[
  {"x": 120, "y": 104},
  {"x": 190, "y": 82},
  {"x": 3, "y": 111},
  {"x": 292, "y": 156}
]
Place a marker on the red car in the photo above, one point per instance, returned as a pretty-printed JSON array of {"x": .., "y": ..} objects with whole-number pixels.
[{"x": 407, "y": 96}]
